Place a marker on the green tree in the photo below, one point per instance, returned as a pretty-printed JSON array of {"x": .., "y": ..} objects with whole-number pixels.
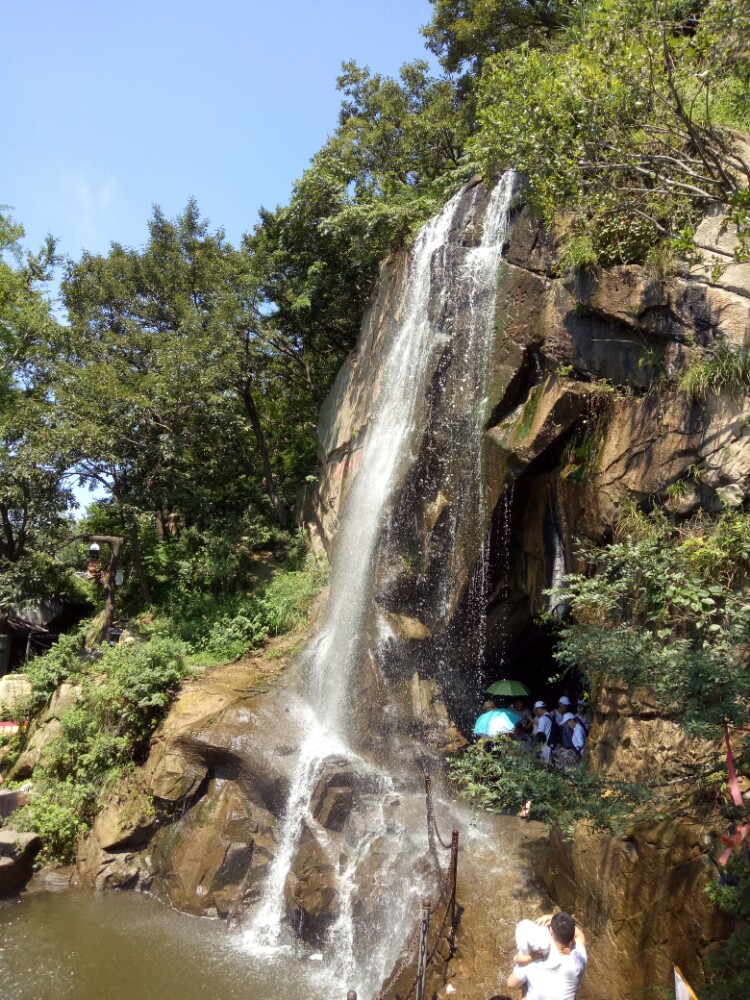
[
  {"x": 149, "y": 388},
  {"x": 463, "y": 33},
  {"x": 628, "y": 122},
  {"x": 33, "y": 491}
]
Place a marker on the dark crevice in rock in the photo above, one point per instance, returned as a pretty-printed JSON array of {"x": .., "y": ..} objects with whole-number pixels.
[{"x": 517, "y": 392}]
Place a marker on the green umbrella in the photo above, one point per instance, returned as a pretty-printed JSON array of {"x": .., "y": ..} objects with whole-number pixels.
[{"x": 512, "y": 689}]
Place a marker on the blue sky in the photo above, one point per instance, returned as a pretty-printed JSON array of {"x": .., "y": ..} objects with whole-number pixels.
[{"x": 112, "y": 107}]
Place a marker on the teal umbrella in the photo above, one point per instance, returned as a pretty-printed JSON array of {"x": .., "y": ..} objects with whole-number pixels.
[
  {"x": 496, "y": 722},
  {"x": 511, "y": 689}
]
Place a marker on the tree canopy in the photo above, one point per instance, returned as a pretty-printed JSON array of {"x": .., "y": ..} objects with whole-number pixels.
[{"x": 34, "y": 493}]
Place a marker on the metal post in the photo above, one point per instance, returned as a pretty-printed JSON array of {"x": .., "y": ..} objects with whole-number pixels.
[
  {"x": 454, "y": 880},
  {"x": 431, "y": 821},
  {"x": 423, "y": 941},
  {"x": 28, "y": 647}
]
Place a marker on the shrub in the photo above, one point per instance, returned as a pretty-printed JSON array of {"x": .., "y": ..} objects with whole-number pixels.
[
  {"x": 727, "y": 371},
  {"x": 58, "y": 814},
  {"x": 46, "y": 673},
  {"x": 501, "y": 776},
  {"x": 124, "y": 696}
]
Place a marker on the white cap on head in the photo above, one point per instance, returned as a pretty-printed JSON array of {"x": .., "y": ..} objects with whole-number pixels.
[
  {"x": 564, "y": 700},
  {"x": 568, "y": 716},
  {"x": 540, "y": 704}
]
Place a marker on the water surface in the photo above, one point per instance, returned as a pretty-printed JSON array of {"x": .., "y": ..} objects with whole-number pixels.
[{"x": 127, "y": 946}]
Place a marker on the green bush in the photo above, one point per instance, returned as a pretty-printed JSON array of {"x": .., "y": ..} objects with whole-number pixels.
[
  {"x": 501, "y": 776},
  {"x": 666, "y": 607},
  {"x": 124, "y": 695},
  {"x": 47, "y": 672},
  {"x": 59, "y": 814}
]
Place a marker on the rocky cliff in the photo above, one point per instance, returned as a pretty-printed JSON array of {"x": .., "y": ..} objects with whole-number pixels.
[{"x": 583, "y": 413}]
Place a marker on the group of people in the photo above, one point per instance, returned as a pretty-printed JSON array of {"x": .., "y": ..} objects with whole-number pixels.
[{"x": 559, "y": 734}]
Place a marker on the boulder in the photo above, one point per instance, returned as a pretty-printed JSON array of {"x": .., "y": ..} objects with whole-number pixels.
[
  {"x": 633, "y": 738},
  {"x": 333, "y": 796},
  {"x": 717, "y": 237},
  {"x": 311, "y": 890},
  {"x": 41, "y": 737},
  {"x": 63, "y": 698},
  {"x": 46, "y": 728},
  {"x": 17, "y": 853},
  {"x": 215, "y": 858}
]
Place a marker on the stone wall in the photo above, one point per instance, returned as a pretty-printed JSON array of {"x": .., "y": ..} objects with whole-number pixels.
[{"x": 642, "y": 903}]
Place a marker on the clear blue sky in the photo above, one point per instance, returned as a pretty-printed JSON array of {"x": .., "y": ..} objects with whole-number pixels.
[{"x": 112, "y": 107}]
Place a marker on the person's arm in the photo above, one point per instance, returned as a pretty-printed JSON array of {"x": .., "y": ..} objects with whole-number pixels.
[
  {"x": 522, "y": 958},
  {"x": 515, "y": 982}
]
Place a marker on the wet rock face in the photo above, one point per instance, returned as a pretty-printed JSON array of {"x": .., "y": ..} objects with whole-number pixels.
[
  {"x": 576, "y": 421},
  {"x": 642, "y": 903},
  {"x": 214, "y": 861},
  {"x": 311, "y": 890}
]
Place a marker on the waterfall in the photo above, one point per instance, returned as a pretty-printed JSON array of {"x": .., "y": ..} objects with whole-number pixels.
[
  {"x": 469, "y": 377},
  {"x": 384, "y": 455},
  {"x": 556, "y": 545},
  {"x": 442, "y": 277}
]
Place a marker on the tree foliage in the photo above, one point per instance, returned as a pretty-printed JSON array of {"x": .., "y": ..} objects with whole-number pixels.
[
  {"x": 628, "y": 124},
  {"x": 669, "y": 608},
  {"x": 33, "y": 490},
  {"x": 463, "y": 33}
]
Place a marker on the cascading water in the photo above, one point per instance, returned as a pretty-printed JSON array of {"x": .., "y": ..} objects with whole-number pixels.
[
  {"x": 384, "y": 455},
  {"x": 441, "y": 275},
  {"x": 469, "y": 376},
  {"x": 556, "y": 605}
]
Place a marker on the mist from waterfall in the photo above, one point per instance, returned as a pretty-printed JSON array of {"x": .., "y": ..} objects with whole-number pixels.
[{"x": 440, "y": 275}]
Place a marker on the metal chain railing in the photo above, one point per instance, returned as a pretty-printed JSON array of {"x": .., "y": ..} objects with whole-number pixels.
[{"x": 425, "y": 929}]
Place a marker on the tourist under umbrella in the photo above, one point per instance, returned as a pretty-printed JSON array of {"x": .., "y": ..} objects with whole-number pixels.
[{"x": 497, "y": 722}]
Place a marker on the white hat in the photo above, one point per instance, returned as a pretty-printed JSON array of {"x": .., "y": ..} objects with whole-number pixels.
[
  {"x": 564, "y": 700},
  {"x": 581, "y": 701},
  {"x": 540, "y": 704},
  {"x": 568, "y": 716}
]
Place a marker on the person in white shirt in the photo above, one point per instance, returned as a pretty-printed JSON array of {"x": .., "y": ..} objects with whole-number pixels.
[
  {"x": 579, "y": 737},
  {"x": 542, "y": 728},
  {"x": 558, "y": 976},
  {"x": 563, "y": 706}
]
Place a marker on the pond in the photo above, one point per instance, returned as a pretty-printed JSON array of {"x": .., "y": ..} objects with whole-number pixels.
[{"x": 127, "y": 946}]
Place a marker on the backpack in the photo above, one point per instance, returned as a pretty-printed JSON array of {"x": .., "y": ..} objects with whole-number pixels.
[
  {"x": 555, "y": 734},
  {"x": 585, "y": 727}
]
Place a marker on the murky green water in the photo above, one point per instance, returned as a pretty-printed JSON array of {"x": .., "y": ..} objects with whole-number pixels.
[{"x": 126, "y": 946}]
